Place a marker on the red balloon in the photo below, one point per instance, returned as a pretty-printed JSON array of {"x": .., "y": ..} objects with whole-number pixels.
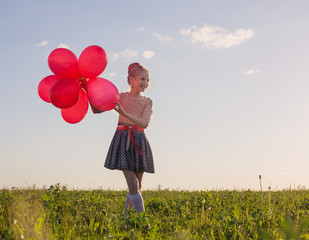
[
  {"x": 77, "y": 112},
  {"x": 64, "y": 93},
  {"x": 45, "y": 85},
  {"x": 63, "y": 63},
  {"x": 92, "y": 61},
  {"x": 102, "y": 93}
]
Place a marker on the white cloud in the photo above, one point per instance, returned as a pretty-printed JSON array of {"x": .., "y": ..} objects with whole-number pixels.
[
  {"x": 44, "y": 43},
  {"x": 62, "y": 45},
  {"x": 128, "y": 54},
  {"x": 148, "y": 54},
  {"x": 162, "y": 38},
  {"x": 112, "y": 74},
  {"x": 114, "y": 56},
  {"x": 141, "y": 29},
  {"x": 250, "y": 72},
  {"x": 213, "y": 37}
]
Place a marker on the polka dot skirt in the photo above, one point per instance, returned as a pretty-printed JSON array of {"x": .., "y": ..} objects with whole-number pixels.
[{"x": 120, "y": 158}]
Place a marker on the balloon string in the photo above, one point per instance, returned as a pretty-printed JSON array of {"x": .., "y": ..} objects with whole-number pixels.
[{"x": 84, "y": 83}]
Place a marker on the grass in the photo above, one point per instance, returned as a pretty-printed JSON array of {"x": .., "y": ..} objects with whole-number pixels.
[{"x": 59, "y": 213}]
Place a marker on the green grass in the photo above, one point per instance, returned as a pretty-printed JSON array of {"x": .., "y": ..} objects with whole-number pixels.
[{"x": 59, "y": 213}]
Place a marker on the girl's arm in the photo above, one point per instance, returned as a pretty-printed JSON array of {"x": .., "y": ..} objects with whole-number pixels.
[
  {"x": 141, "y": 122},
  {"x": 94, "y": 109}
]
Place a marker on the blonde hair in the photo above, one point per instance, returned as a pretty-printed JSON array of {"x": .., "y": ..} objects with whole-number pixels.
[{"x": 134, "y": 69}]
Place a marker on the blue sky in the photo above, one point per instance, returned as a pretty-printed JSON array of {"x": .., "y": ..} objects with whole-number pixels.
[{"x": 229, "y": 86}]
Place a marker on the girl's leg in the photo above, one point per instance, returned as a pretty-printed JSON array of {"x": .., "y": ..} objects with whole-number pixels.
[
  {"x": 139, "y": 176},
  {"x": 132, "y": 188},
  {"x": 133, "y": 179},
  {"x": 129, "y": 203}
]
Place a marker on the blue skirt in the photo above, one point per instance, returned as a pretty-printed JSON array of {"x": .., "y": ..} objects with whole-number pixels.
[{"x": 120, "y": 158}]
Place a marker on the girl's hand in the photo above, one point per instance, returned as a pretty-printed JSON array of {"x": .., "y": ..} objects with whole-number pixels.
[
  {"x": 118, "y": 108},
  {"x": 94, "y": 109}
]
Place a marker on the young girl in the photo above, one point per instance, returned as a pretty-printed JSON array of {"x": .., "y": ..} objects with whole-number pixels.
[{"x": 130, "y": 151}]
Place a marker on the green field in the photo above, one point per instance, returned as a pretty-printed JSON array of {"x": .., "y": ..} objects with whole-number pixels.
[{"x": 59, "y": 213}]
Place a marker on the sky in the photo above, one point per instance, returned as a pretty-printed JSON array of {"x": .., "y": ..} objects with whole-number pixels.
[{"x": 229, "y": 87}]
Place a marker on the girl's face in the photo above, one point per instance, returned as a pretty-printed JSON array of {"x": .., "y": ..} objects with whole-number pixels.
[{"x": 140, "y": 82}]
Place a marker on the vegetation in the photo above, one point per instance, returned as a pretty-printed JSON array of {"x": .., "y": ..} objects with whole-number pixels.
[{"x": 59, "y": 213}]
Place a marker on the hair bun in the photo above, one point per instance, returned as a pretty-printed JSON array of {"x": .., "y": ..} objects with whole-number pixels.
[{"x": 133, "y": 65}]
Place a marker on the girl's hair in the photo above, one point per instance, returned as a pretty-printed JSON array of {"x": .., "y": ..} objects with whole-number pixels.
[{"x": 134, "y": 69}]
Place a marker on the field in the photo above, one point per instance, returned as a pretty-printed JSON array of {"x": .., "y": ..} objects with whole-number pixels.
[{"x": 59, "y": 213}]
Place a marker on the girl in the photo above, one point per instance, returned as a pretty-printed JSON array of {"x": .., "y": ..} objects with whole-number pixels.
[{"x": 130, "y": 151}]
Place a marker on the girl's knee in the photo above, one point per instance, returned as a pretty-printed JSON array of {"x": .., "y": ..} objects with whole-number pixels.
[{"x": 134, "y": 187}]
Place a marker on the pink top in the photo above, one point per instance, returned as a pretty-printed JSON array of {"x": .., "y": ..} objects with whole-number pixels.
[{"x": 140, "y": 107}]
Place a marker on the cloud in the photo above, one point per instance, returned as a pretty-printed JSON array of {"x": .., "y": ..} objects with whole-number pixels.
[
  {"x": 148, "y": 54},
  {"x": 112, "y": 74},
  {"x": 141, "y": 29},
  {"x": 213, "y": 37},
  {"x": 162, "y": 38},
  {"x": 114, "y": 56},
  {"x": 44, "y": 43},
  {"x": 128, "y": 54},
  {"x": 62, "y": 45},
  {"x": 250, "y": 72}
]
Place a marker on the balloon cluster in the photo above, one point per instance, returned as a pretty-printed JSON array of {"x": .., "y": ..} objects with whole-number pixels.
[{"x": 75, "y": 82}]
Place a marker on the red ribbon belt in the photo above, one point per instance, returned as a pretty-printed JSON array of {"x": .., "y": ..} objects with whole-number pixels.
[{"x": 131, "y": 136}]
